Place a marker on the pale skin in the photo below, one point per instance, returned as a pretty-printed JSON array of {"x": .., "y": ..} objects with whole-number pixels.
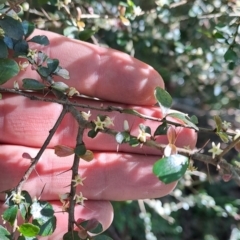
[{"x": 119, "y": 80}]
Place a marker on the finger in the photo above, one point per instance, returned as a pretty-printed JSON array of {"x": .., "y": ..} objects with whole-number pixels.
[
  {"x": 102, "y": 211},
  {"x": 110, "y": 176},
  {"x": 100, "y": 72},
  {"x": 26, "y": 122}
]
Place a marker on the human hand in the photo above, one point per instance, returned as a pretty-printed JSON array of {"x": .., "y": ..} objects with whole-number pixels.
[{"x": 119, "y": 80}]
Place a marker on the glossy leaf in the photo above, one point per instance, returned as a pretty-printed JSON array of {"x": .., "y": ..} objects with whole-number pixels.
[
  {"x": 28, "y": 230},
  {"x": 52, "y": 64},
  {"x": 12, "y": 27},
  {"x": 10, "y": 214},
  {"x": 8, "y": 69},
  {"x": 145, "y": 129},
  {"x": 40, "y": 39},
  {"x": 46, "y": 226},
  {"x": 172, "y": 168},
  {"x": 4, "y": 234},
  {"x": 60, "y": 86},
  {"x": 32, "y": 84},
  {"x": 43, "y": 217},
  {"x": 163, "y": 97},
  {"x": 161, "y": 129}
]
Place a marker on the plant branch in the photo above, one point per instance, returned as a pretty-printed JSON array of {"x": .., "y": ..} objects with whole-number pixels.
[
  {"x": 42, "y": 149},
  {"x": 72, "y": 201}
]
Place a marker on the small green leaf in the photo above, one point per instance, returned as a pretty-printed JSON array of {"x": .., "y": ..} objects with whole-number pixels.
[
  {"x": 92, "y": 225},
  {"x": 8, "y": 69},
  {"x": 172, "y": 168},
  {"x": 52, "y": 64},
  {"x": 28, "y": 230},
  {"x": 86, "y": 34},
  {"x": 40, "y": 39},
  {"x": 183, "y": 117},
  {"x": 12, "y": 27},
  {"x": 24, "y": 206},
  {"x": 4, "y": 234},
  {"x": 218, "y": 122},
  {"x": 80, "y": 150},
  {"x": 230, "y": 55},
  {"x": 92, "y": 133},
  {"x": 10, "y": 214},
  {"x": 46, "y": 226},
  {"x": 21, "y": 47},
  {"x": 3, "y": 49},
  {"x": 161, "y": 129},
  {"x": 145, "y": 129},
  {"x": 43, "y": 217},
  {"x": 132, "y": 112},
  {"x": 60, "y": 86},
  {"x": 32, "y": 84},
  {"x": 218, "y": 35},
  {"x": 71, "y": 235},
  {"x": 163, "y": 97},
  {"x": 223, "y": 136},
  {"x": 28, "y": 28},
  {"x": 194, "y": 119},
  {"x": 133, "y": 142},
  {"x": 43, "y": 71},
  {"x": 122, "y": 137}
]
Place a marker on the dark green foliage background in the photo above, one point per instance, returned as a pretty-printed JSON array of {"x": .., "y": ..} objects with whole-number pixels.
[{"x": 194, "y": 45}]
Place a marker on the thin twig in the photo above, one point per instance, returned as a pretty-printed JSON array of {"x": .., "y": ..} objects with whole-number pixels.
[
  {"x": 42, "y": 149},
  {"x": 72, "y": 201}
]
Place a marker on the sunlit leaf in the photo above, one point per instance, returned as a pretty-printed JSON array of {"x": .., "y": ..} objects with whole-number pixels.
[
  {"x": 28, "y": 230},
  {"x": 4, "y": 234},
  {"x": 60, "y": 86},
  {"x": 172, "y": 168},
  {"x": 163, "y": 98}
]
